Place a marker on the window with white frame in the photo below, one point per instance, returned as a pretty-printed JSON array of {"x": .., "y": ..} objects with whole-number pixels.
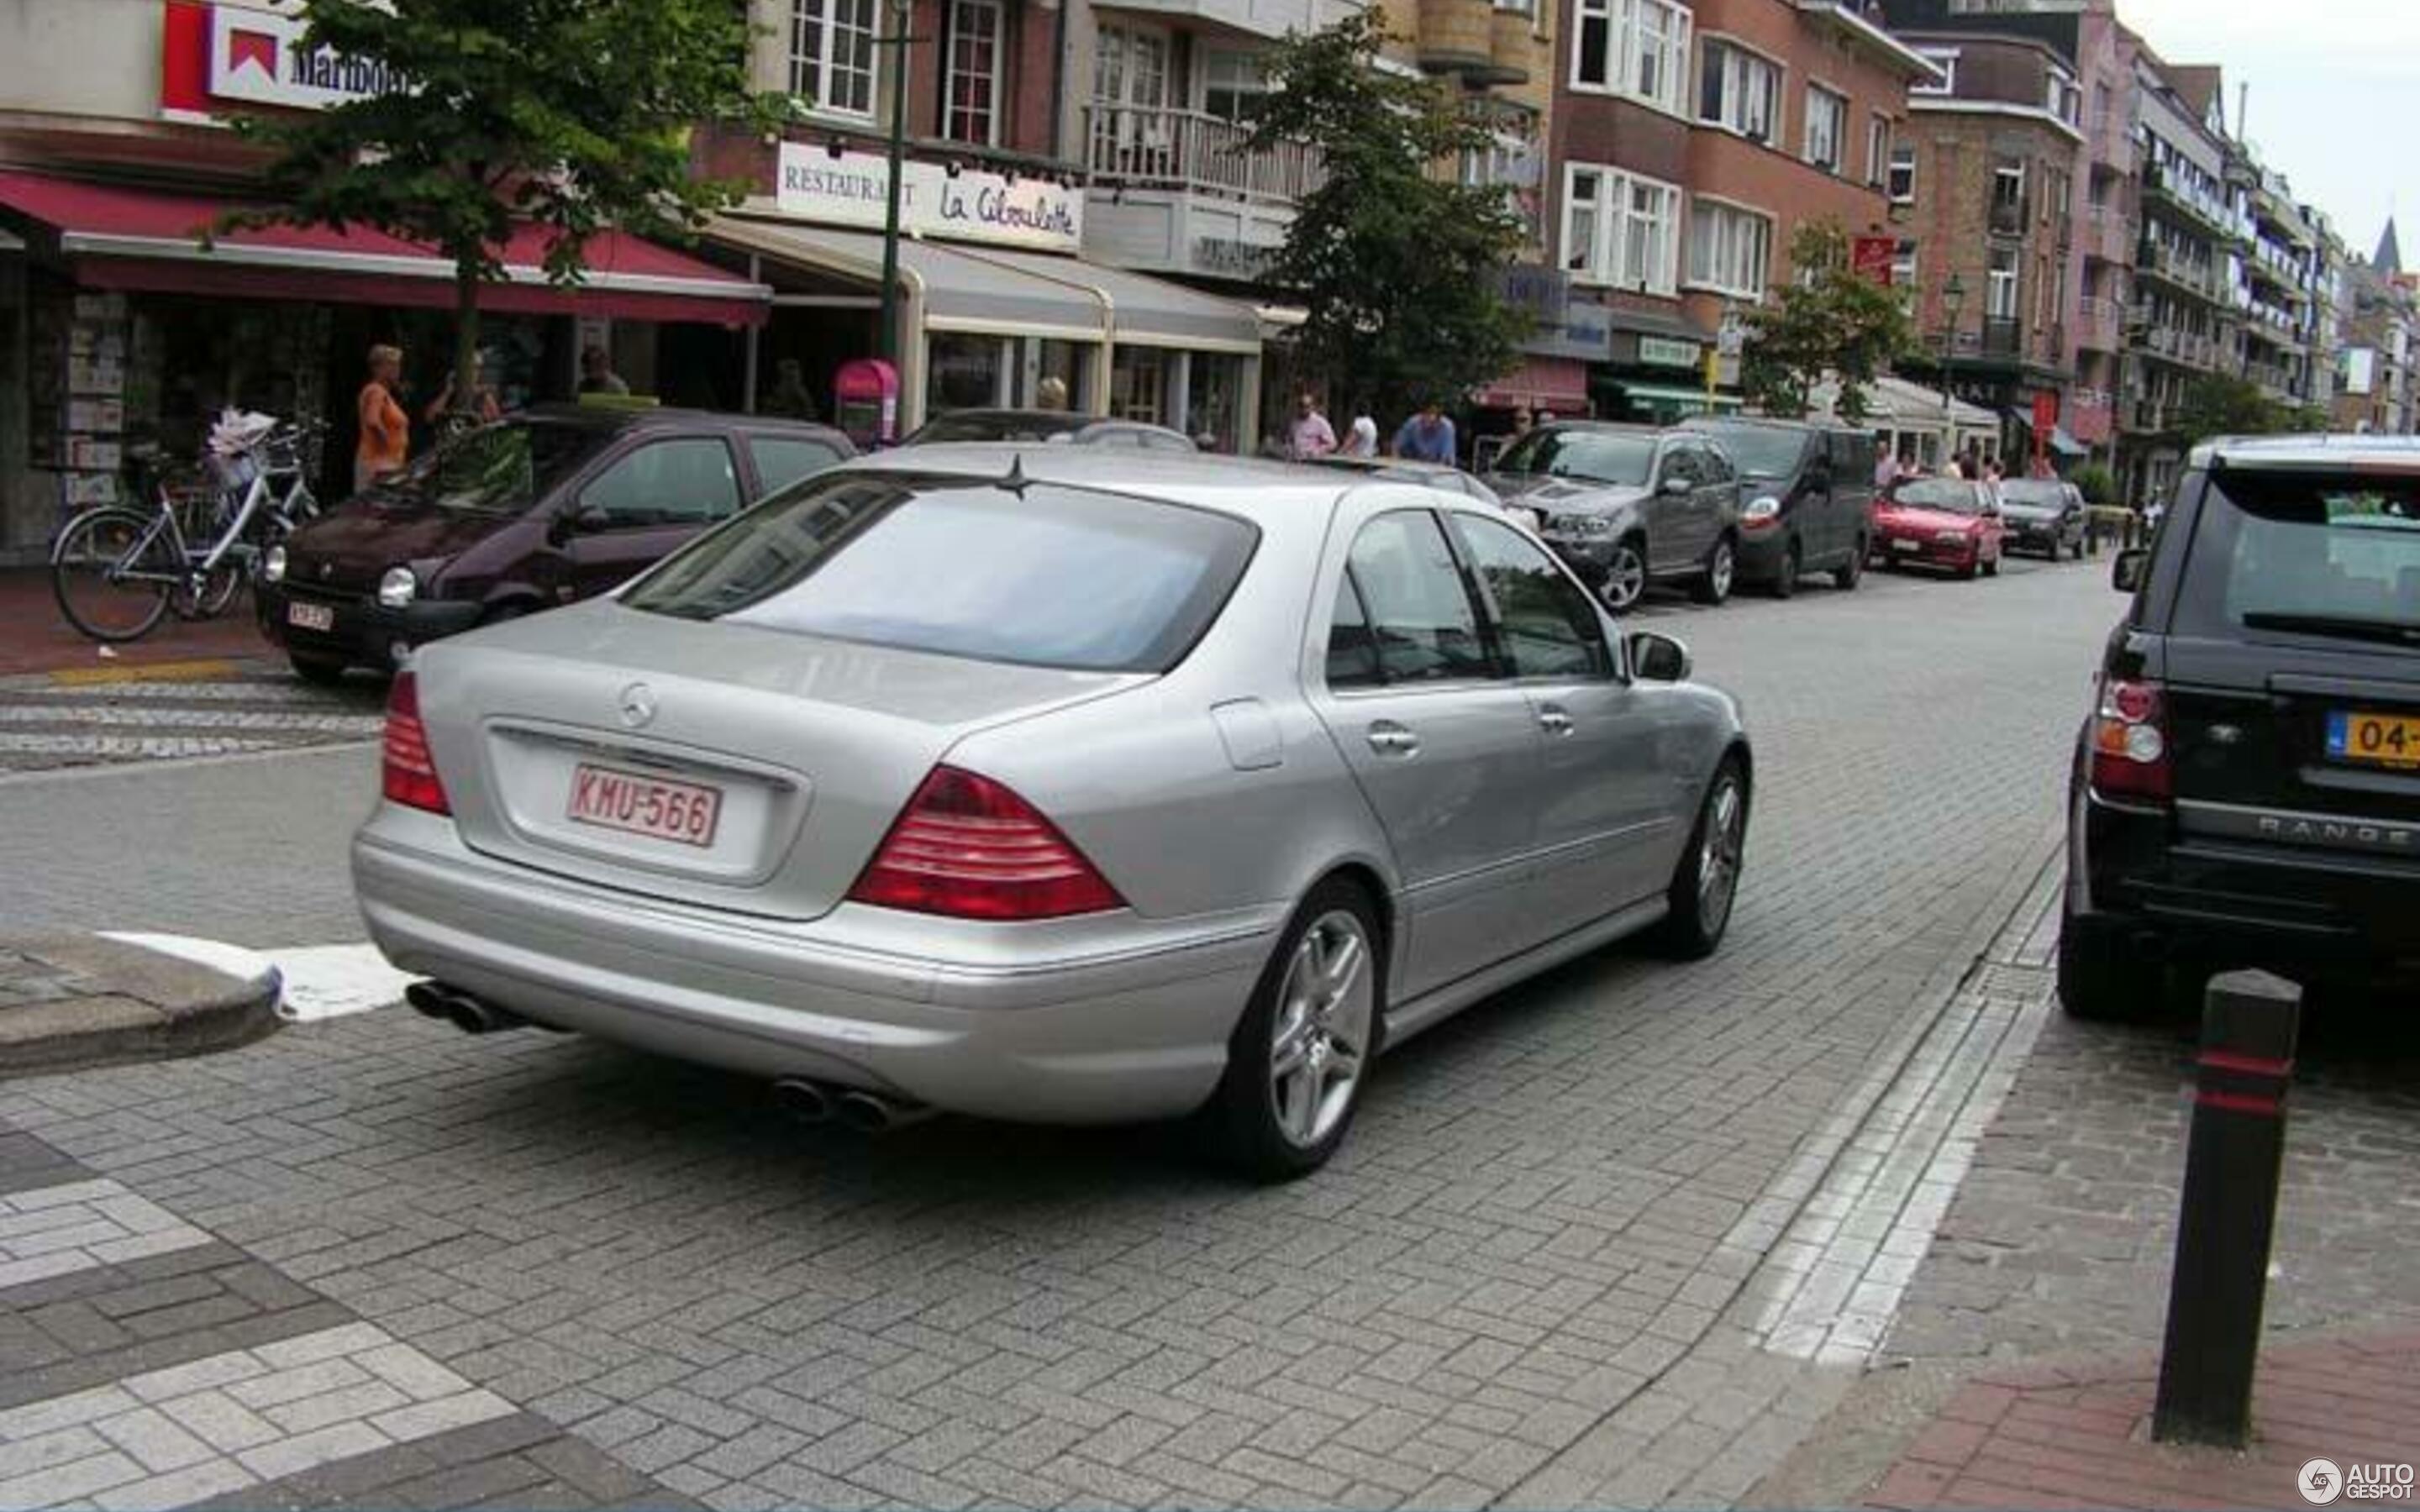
[
  {"x": 1619, "y": 230},
  {"x": 1738, "y": 90},
  {"x": 971, "y": 93},
  {"x": 1827, "y": 122},
  {"x": 1234, "y": 84},
  {"x": 2008, "y": 193},
  {"x": 832, "y": 54},
  {"x": 1730, "y": 249},
  {"x": 1639, "y": 48},
  {"x": 1903, "y": 266},
  {"x": 1878, "y": 150},
  {"x": 2000, "y": 285},
  {"x": 1903, "y": 176},
  {"x": 1944, "y": 58}
]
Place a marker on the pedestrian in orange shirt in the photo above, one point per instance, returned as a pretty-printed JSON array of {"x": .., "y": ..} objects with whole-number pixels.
[{"x": 385, "y": 430}]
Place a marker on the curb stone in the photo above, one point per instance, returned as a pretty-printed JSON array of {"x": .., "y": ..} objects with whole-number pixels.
[{"x": 68, "y": 1002}]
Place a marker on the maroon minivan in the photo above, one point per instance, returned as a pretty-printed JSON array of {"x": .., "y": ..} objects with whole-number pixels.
[{"x": 558, "y": 504}]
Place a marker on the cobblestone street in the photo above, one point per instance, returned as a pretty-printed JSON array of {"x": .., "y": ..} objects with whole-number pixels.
[{"x": 1581, "y": 1246}]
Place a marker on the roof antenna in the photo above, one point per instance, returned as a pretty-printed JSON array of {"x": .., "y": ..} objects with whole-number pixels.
[{"x": 1014, "y": 482}]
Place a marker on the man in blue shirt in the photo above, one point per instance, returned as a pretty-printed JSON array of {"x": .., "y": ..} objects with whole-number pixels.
[{"x": 1427, "y": 436}]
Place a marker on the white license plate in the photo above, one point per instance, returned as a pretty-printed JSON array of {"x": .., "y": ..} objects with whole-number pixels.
[
  {"x": 1907, "y": 546},
  {"x": 310, "y": 616},
  {"x": 657, "y": 808}
]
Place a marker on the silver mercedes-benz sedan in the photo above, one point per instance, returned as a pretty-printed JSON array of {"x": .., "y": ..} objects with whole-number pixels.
[{"x": 1044, "y": 784}]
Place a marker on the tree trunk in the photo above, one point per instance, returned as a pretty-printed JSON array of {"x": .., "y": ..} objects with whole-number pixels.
[{"x": 466, "y": 330}]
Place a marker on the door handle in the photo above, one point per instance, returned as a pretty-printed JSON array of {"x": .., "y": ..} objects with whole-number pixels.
[
  {"x": 1388, "y": 738},
  {"x": 1552, "y": 720}
]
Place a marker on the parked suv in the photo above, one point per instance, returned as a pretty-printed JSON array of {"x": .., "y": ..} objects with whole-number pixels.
[
  {"x": 2247, "y": 791},
  {"x": 1809, "y": 498},
  {"x": 1624, "y": 504},
  {"x": 560, "y": 504}
]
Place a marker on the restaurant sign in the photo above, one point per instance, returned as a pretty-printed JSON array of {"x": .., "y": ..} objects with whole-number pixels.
[
  {"x": 213, "y": 56},
  {"x": 972, "y": 205}
]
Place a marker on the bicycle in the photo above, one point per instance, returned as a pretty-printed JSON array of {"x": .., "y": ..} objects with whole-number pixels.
[{"x": 117, "y": 570}]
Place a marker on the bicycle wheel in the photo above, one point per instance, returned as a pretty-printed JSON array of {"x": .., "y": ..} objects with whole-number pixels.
[
  {"x": 217, "y": 592},
  {"x": 112, "y": 571}
]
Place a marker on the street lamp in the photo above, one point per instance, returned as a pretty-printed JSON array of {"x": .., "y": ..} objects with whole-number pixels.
[
  {"x": 887, "y": 338},
  {"x": 1953, "y": 298}
]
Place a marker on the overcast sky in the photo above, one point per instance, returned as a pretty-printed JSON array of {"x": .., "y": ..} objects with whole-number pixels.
[{"x": 2336, "y": 95}]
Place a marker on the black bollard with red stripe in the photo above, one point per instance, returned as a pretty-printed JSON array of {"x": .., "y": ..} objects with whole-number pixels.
[{"x": 2249, "y": 1024}]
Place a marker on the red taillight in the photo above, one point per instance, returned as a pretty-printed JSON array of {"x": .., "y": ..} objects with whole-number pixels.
[
  {"x": 2130, "y": 743},
  {"x": 968, "y": 847},
  {"x": 410, "y": 778}
]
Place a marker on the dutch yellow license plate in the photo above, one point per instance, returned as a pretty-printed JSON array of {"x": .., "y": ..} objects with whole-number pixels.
[{"x": 2374, "y": 739}]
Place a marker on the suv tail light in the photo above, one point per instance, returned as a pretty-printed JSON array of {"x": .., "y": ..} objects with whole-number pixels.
[
  {"x": 407, "y": 774},
  {"x": 2130, "y": 743},
  {"x": 968, "y": 847}
]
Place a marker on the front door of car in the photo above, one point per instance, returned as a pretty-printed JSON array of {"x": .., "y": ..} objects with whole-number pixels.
[
  {"x": 1443, "y": 745},
  {"x": 646, "y": 501},
  {"x": 1676, "y": 536},
  {"x": 1603, "y": 805}
]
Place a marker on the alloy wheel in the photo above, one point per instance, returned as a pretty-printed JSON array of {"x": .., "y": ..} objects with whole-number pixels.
[
  {"x": 1320, "y": 1041},
  {"x": 1718, "y": 858},
  {"x": 1625, "y": 580}
]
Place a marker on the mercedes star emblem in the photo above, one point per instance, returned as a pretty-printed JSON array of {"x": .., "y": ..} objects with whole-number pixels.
[{"x": 638, "y": 706}]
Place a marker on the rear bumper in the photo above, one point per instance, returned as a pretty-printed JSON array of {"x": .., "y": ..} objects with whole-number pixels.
[
  {"x": 1038, "y": 1023},
  {"x": 2299, "y": 910},
  {"x": 365, "y": 633}
]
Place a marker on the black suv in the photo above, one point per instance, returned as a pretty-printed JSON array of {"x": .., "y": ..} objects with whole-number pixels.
[{"x": 2247, "y": 791}]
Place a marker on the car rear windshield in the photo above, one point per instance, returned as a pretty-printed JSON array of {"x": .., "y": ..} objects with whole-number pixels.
[
  {"x": 1948, "y": 495},
  {"x": 1766, "y": 451},
  {"x": 1589, "y": 456},
  {"x": 2329, "y": 554},
  {"x": 1034, "y": 574},
  {"x": 497, "y": 469}
]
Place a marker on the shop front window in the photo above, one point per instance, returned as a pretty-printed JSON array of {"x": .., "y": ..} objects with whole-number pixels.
[
  {"x": 1214, "y": 405},
  {"x": 1062, "y": 377},
  {"x": 1138, "y": 385},
  {"x": 965, "y": 372}
]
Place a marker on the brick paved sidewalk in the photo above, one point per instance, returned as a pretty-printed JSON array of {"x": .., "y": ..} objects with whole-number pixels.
[
  {"x": 2078, "y": 1436},
  {"x": 36, "y": 638}
]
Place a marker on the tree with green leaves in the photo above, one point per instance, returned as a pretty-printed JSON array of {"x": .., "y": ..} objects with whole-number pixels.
[
  {"x": 1829, "y": 322},
  {"x": 2223, "y": 403},
  {"x": 573, "y": 114},
  {"x": 1395, "y": 262}
]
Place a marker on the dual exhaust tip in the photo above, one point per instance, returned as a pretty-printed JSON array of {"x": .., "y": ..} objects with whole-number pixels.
[
  {"x": 809, "y": 1103},
  {"x": 851, "y": 1107}
]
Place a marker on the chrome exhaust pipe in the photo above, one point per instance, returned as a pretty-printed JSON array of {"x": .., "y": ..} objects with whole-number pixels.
[
  {"x": 871, "y": 1113},
  {"x": 804, "y": 1102}
]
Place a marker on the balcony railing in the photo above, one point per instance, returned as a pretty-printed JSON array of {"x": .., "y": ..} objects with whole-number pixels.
[
  {"x": 2108, "y": 234},
  {"x": 1188, "y": 149},
  {"x": 2100, "y": 324}
]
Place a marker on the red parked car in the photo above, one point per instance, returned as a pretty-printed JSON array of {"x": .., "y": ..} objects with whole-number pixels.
[{"x": 1938, "y": 522}]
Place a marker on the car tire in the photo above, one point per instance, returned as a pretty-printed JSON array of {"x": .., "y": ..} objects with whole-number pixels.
[
  {"x": 1793, "y": 562},
  {"x": 1721, "y": 571},
  {"x": 319, "y": 671},
  {"x": 1274, "y": 1124},
  {"x": 1625, "y": 582},
  {"x": 2104, "y": 977},
  {"x": 1847, "y": 573},
  {"x": 1705, "y": 886}
]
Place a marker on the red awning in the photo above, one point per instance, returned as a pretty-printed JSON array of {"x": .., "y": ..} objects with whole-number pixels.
[
  {"x": 1556, "y": 383},
  {"x": 149, "y": 240}
]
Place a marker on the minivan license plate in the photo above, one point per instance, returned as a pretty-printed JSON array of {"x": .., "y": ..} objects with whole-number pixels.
[
  {"x": 310, "y": 616},
  {"x": 2374, "y": 739},
  {"x": 657, "y": 808}
]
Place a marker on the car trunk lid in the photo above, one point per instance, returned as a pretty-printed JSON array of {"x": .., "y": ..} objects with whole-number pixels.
[{"x": 597, "y": 735}]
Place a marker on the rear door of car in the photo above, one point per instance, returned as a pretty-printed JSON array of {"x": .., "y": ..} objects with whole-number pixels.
[
  {"x": 2293, "y": 696},
  {"x": 1441, "y": 741},
  {"x": 652, "y": 496}
]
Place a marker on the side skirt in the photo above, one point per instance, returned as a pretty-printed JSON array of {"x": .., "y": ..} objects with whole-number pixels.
[{"x": 1440, "y": 1004}]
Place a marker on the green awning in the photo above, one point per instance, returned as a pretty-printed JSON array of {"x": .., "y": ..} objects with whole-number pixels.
[{"x": 1696, "y": 399}]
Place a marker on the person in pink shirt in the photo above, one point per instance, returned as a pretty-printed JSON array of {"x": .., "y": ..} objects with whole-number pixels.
[{"x": 1311, "y": 435}]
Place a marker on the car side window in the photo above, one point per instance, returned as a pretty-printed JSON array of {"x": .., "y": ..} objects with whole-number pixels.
[
  {"x": 1682, "y": 462},
  {"x": 782, "y": 461},
  {"x": 683, "y": 480},
  {"x": 1717, "y": 463},
  {"x": 1544, "y": 624},
  {"x": 1352, "y": 650},
  {"x": 1418, "y": 610}
]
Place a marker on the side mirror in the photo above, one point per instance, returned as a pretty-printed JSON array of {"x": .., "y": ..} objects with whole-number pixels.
[
  {"x": 1658, "y": 659},
  {"x": 1675, "y": 485},
  {"x": 2127, "y": 572},
  {"x": 583, "y": 520}
]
